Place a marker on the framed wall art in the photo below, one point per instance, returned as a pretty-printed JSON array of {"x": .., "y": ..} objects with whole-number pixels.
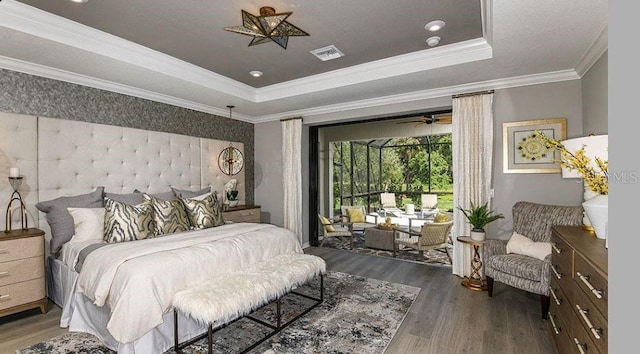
[{"x": 523, "y": 150}]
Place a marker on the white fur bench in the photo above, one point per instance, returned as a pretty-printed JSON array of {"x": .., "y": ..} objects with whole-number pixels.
[{"x": 226, "y": 298}]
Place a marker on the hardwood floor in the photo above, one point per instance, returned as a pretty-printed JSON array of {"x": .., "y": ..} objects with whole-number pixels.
[{"x": 445, "y": 318}]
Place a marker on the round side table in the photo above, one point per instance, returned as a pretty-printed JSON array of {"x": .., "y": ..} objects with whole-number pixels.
[{"x": 474, "y": 281}]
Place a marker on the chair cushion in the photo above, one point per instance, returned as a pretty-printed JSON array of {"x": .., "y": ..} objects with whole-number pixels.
[
  {"x": 327, "y": 224},
  {"x": 440, "y": 217},
  {"x": 525, "y": 246},
  {"x": 517, "y": 265},
  {"x": 355, "y": 215}
]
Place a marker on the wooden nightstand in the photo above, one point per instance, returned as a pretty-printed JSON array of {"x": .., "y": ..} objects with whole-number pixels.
[
  {"x": 242, "y": 213},
  {"x": 22, "y": 282}
]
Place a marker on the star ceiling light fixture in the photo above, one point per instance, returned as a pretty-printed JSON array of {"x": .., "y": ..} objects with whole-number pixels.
[{"x": 269, "y": 26}]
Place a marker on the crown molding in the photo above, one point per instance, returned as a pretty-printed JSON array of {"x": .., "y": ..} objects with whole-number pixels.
[
  {"x": 595, "y": 51},
  {"x": 39, "y": 23},
  {"x": 457, "y": 53},
  {"x": 79, "y": 79},
  {"x": 510, "y": 82}
]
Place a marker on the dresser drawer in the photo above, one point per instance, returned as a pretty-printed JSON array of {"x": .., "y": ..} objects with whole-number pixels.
[
  {"x": 21, "y": 270},
  {"x": 561, "y": 255},
  {"x": 559, "y": 331},
  {"x": 580, "y": 337},
  {"x": 21, "y": 248},
  {"x": 21, "y": 293},
  {"x": 592, "y": 283},
  {"x": 589, "y": 317},
  {"x": 560, "y": 298}
]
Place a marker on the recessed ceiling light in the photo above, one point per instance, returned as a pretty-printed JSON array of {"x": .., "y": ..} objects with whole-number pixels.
[
  {"x": 255, "y": 73},
  {"x": 434, "y": 25},
  {"x": 79, "y": 1},
  {"x": 433, "y": 41}
]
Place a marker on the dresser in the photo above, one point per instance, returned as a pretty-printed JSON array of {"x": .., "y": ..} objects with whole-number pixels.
[
  {"x": 22, "y": 281},
  {"x": 578, "y": 314},
  {"x": 242, "y": 213}
]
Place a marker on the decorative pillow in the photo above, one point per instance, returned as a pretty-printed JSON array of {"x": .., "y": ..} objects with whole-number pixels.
[
  {"x": 355, "y": 215},
  {"x": 169, "y": 216},
  {"x": 124, "y": 222},
  {"x": 203, "y": 213},
  {"x": 162, "y": 195},
  {"x": 183, "y": 193},
  {"x": 88, "y": 224},
  {"x": 440, "y": 217},
  {"x": 134, "y": 198},
  {"x": 327, "y": 224},
  {"x": 59, "y": 219},
  {"x": 523, "y": 245}
]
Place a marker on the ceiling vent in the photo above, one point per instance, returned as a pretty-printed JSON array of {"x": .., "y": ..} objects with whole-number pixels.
[{"x": 327, "y": 53}]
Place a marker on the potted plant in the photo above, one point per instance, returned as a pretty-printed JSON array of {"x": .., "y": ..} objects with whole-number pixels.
[{"x": 479, "y": 217}]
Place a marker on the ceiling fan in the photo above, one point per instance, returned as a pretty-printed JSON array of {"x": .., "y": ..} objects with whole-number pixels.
[{"x": 438, "y": 119}]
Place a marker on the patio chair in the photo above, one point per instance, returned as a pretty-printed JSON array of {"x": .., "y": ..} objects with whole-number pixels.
[
  {"x": 388, "y": 202},
  {"x": 357, "y": 216},
  {"x": 335, "y": 228},
  {"x": 429, "y": 204},
  {"x": 431, "y": 236}
]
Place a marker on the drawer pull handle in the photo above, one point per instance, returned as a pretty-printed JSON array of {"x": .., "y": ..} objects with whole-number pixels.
[
  {"x": 581, "y": 347},
  {"x": 555, "y": 271},
  {"x": 4, "y": 250},
  {"x": 5, "y": 297},
  {"x": 596, "y": 331},
  {"x": 594, "y": 291},
  {"x": 4, "y": 274},
  {"x": 555, "y": 298},
  {"x": 555, "y": 248},
  {"x": 553, "y": 324}
]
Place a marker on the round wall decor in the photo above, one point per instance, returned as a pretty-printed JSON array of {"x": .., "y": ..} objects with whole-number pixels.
[{"x": 230, "y": 161}]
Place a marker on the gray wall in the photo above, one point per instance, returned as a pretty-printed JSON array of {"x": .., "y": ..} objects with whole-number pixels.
[
  {"x": 38, "y": 96},
  {"x": 595, "y": 97},
  {"x": 552, "y": 100},
  {"x": 268, "y": 171}
]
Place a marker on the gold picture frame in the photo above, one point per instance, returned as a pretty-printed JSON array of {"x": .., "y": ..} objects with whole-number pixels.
[{"x": 524, "y": 153}]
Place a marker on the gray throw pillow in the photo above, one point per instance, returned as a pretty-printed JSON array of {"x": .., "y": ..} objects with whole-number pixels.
[
  {"x": 134, "y": 198},
  {"x": 183, "y": 193},
  {"x": 59, "y": 219}
]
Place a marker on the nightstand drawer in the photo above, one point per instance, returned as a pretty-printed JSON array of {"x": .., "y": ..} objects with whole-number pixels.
[
  {"x": 21, "y": 293},
  {"x": 242, "y": 215},
  {"x": 21, "y": 270},
  {"x": 21, "y": 248}
]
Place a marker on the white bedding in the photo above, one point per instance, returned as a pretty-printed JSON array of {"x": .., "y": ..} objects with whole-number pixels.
[{"x": 138, "y": 279}]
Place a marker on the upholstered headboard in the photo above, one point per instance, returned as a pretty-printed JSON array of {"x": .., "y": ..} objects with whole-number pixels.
[{"x": 63, "y": 158}]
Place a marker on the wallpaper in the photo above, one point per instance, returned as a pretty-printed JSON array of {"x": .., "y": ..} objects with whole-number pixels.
[{"x": 38, "y": 96}]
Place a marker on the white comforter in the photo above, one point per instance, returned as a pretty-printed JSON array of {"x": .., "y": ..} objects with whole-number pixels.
[{"x": 137, "y": 280}]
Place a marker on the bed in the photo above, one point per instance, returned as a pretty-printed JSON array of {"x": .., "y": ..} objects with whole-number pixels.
[{"x": 121, "y": 292}]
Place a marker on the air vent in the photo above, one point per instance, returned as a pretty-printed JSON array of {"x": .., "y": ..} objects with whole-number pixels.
[{"x": 327, "y": 53}]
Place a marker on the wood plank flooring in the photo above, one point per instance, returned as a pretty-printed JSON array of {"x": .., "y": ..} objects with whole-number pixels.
[{"x": 445, "y": 318}]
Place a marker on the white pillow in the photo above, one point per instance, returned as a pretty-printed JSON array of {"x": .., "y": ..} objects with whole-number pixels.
[
  {"x": 525, "y": 246},
  {"x": 88, "y": 224}
]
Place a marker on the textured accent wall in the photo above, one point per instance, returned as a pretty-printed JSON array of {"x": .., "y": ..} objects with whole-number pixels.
[{"x": 38, "y": 96}]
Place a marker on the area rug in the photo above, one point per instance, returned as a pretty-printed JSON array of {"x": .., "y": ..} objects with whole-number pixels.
[
  {"x": 358, "y": 315},
  {"x": 406, "y": 254}
]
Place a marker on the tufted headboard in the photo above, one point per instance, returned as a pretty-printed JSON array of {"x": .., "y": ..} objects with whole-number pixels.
[{"x": 72, "y": 157}]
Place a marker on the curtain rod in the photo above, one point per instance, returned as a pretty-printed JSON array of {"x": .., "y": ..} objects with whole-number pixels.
[
  {"x": 286, "y": 119},
  {"x": 472, "y": 94}
]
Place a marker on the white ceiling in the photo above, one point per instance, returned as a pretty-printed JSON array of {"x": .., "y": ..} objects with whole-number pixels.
[{"x": 195, "y": 64}]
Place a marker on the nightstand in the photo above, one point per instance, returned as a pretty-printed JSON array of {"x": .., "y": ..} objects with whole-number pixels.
[
  {"x": 22, "y": 281},
  {"x": 242, "y": 213}
]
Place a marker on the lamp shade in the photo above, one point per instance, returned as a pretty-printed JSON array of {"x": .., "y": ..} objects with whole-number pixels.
[{"x": 594, "y": 146}]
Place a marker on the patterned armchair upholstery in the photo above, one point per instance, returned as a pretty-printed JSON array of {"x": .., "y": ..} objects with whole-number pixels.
[{"x": 527, "y": 273}]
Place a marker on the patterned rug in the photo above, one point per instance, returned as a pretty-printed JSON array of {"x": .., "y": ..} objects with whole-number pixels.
[
  {"x": 358, "y": 315},
  {"x": 406, "y": 254}
]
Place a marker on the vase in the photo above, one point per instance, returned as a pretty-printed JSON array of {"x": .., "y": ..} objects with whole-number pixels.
[
  {"x": 233, "y": 203},
  {"x": 478, "y": 235},
  {"x": 597, "y": 209}
]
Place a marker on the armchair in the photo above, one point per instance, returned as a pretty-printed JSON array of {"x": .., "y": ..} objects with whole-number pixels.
[
  {"x": 523, "y": 272},
  {"x": 429, "y": 204},
  {"x": 357, "y": 216},
  {"x": 335, "y": 228},
  {"x": 388, "y": 202},
  {"x": 431, "y": 236}
]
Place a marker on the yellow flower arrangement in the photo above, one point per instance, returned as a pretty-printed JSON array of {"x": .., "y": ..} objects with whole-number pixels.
[
  {"x": 387, "y": 225},
  {"x": 595, "y": 180}
]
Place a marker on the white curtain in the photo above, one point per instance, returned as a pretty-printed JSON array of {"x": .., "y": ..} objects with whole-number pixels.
[
  {"x": 472, "y": 139},
  {"x": 292, "y": 174}
]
